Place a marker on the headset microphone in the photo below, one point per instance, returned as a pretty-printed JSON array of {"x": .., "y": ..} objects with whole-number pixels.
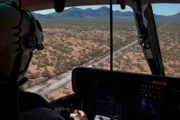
[{"x": 59, "y": 5}]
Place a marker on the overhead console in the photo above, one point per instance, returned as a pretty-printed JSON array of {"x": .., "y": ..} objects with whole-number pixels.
[{"x": 135, "y": 96}]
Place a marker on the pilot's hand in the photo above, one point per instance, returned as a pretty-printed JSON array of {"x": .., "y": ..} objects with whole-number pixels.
[{"x": 78, "y": 115}]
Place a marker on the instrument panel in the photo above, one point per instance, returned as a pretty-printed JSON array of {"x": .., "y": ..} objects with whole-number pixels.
[
  {"x": 158, "y": 100},
  {"x": 135, "y": 96},
  {"x": 151, "y": 100}
]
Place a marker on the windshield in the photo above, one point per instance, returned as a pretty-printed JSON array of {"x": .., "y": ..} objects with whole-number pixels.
[
  {"x": 168, "y": 28},
  {"x": 79, "y": 36}
]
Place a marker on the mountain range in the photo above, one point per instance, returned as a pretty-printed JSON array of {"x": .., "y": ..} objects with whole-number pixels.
[{"x": 101, "y": 12}]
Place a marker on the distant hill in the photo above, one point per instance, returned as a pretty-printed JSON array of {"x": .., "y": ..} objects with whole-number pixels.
[
  {"x": 81, "y": 13},
  {"x": 175, "y": 17},
  {"x": 101, "y": 12}
]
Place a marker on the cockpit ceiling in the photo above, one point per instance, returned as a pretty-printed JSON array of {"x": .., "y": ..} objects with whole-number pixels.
[{"x": 33, "y": 5}]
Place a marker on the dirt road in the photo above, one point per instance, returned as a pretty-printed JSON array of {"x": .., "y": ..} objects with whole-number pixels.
[{"x": 54, "y": 84}]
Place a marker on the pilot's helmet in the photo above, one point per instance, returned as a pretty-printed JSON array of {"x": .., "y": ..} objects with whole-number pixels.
[{"x": 19, "y": 32}]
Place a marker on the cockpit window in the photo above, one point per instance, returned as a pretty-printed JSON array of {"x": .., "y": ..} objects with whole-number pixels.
[
  {"x": 79, "y": 36},
  {"x": 168, "y": 27},
  {"x": 128, "y": 55}
]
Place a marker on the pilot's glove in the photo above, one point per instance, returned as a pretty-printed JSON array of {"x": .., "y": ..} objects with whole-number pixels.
[{"x": 78, "y": 115}]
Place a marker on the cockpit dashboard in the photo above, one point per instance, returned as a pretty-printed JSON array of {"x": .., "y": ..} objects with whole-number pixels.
[{"x": 132, "y": 96}]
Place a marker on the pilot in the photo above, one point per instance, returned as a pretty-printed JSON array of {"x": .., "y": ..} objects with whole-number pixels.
[{"x": 21, "y": 34}]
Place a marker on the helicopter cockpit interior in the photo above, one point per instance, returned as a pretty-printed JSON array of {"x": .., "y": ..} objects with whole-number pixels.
[
  {"x": 109, "y": 94},
  {"x": 116, "y": 95}
]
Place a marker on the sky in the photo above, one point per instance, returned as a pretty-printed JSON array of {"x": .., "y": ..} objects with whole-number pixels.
[{"x": 159, "y": 9}]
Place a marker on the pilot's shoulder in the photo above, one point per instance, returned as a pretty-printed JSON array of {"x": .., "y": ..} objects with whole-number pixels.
[{"x": 40, "y": 114}]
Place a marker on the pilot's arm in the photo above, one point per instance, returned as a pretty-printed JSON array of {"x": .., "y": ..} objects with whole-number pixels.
[{"x": 48, "y": 114}]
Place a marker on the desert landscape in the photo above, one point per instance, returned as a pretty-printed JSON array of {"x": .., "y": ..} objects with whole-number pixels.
[{"x": 79, "y": 41}]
